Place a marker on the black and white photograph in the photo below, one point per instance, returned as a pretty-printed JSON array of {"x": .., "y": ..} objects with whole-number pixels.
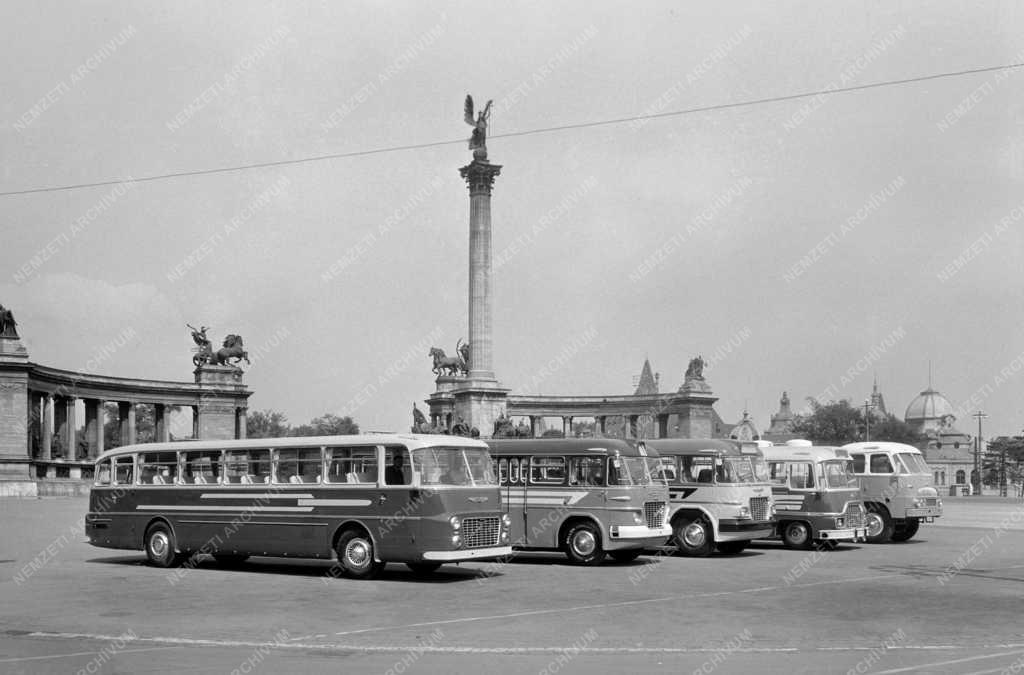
[{"x": 396, "y": 337}]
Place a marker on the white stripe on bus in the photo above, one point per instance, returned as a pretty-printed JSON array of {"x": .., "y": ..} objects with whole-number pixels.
[
  {"x": 334, "y": 502},
  {"x": 251, "y": 495},
  {"x": 240, "y": 507}
]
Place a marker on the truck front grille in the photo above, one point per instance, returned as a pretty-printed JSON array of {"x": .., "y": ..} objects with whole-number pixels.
[
  {"x": 654, "y": 513},
  {"x": 759, "y": 508}
]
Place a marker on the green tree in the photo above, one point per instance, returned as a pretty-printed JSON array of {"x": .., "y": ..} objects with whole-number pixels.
[
  {"x": 267, "y": 424},
  {"x": 327, "y": 425},
  {"x": 833, "y": 423},
  {"x": 1003, "y": 462},
  {"x": 893, "y": 429}
]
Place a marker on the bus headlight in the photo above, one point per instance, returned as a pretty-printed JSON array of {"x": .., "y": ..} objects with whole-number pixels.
[
  {"x": 455, "y": 522},
  {"x": 456, "y": 540},
  {"x": 772, "y": 511},
  {"x": 839, "y": 522},
  {"x": 744, "y": 512},
  {"x": 504, "y": 537},
  {"x": 506, "y": 520},
  {"x": 638, "y": 517}
]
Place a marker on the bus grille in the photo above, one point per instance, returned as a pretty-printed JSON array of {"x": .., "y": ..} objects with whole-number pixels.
[
  {"x": 654, "y": 513},
  {"x": 759, "y": 508},
  {"x": 854, "y": 516},
  {"x": 480, "y": 531}
]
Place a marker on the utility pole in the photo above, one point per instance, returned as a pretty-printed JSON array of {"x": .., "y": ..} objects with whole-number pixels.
[
  {"x": 867, "y": 419},
  {"x": 977, "y": 453}
]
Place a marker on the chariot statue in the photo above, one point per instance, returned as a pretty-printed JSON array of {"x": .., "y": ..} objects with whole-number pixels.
[
  {"x": 8, "y": 326},
  {"x": 233, "y": 348},
  {"x": 696, "y": 368},
  {"x": 451, "y": 365}
]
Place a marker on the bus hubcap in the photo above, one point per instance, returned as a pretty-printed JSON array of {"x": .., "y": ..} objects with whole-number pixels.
[
  {"x": 357, "y": 552},
  {"x": 797, "y": 533},
  {"x": 159, "y": 544},
  {"x": 694, "y": 535},
  {"x": 584, "y": 543},
  {"x": 874, "y": 524}
]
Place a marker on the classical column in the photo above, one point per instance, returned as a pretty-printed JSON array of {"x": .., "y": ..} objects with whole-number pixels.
[
  {"x": 94, "y": 426},
  {"x": 71, "y": 429},
  {"x": 599, "y": 422},
  {"x": 662, "y": 426},
  {"x": 479, "y": 176},
  {"x": 195, "y": 422},
  {"x": 632, "y": 430},
  {"x": 126, "y": 412},
  {"x": 46, "y": 450},
  {"x": 566, "y": 426},
  {"x": 533, "y": 426},
  {"x": 161, "y": 429}
]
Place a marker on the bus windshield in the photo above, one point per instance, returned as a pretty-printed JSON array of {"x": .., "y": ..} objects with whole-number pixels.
[
  {"x": 760, "y": 468},
  {"x": 839, "y": 474},
  {"x": 453, "y": 466},
  {"x": 736, "y": 470},
  {"x": 628, "y": 471},
  {"x": 913, "y": 463}
]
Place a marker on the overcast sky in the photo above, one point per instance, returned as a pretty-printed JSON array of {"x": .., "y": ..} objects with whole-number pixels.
[{"x": 817, "y": 239}]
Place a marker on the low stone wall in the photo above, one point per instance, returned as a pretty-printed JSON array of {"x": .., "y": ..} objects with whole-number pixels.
[{"x": 31, "y": 489}]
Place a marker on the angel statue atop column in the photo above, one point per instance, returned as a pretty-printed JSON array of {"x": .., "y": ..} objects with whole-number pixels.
[{"x": 478, "y": 141}]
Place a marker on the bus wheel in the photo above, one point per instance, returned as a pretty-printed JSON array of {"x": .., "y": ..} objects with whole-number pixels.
[
  {"x": 907, "y": 530},
  {"x": 732, "y": 547},
  {"x": 230, "y": 559},
  {"x": 160, "y": 546},
  {"x": 693, "y": 537},
  {"x": 627, "y": 555},
  {"x": 878, "y": 524},
  {"x": 796, "y": 534},
  {"x": 355, "y": 553},
  {"x": 582, "y": 544},
  {"x": 423, "y": 567}
]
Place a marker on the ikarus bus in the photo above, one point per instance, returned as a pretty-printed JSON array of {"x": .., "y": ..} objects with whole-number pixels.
[
  {"x": 896, "y": 486},
  {"x": 367, "y": 499},
  {"x": 817, "y": 496},
  {"x": 719, "y": 494},
  {"x": 584, "y": 497}
]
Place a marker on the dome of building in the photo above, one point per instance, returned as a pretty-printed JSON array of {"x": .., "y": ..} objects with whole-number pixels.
[{"x": 928, "y": 405}]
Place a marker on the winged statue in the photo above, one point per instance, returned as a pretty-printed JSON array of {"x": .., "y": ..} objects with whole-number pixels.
[{"x": 478, "y": 141}]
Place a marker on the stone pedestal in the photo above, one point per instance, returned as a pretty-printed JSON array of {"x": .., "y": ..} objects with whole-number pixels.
[
  {"x": 14, "y": 457},
  {"x": 480, "y": 404},
  {"x": 216, "y": 417}
]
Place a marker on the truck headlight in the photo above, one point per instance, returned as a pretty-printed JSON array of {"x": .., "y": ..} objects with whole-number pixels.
[
  {"x": 506, "y": 520},
  {"x": 744, "y": 512},
  {"x": 456, "y": 540},
  {"x": 455, "y": 522},
  {"x": 839, "y": 522},
  {"x": 773, "y": 511},
  {"x": 504, "y": 537}
]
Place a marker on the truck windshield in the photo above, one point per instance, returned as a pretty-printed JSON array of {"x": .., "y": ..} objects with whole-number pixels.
[
  {"x": 736, "y": 470},
  {"x": 628, "y": 471},
  {"x": 453, "y": 466},
  {"x": 913, "y": 463},
  {"x": 839, "y": 474}
]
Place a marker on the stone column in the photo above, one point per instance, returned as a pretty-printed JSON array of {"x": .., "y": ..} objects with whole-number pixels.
[
  {"x": 662, "y": 426},
  {"x": 243, "y": 418},
  {"x": 599, "y": 423},
  {"x": 195, "y": 422},
  {"x": 71, "y": 432},
  {"x": 631, "y": 431},
  {"x": 479, "y": 176},
  {"x": 46, "y": 452},
  {"x": 161, "y": 429},
  {"x": 126, "y": 411},
  {"x": 567, "y": 426},
  {"x": 94, "y": 426},
  {"x": 533, "y": 426},
  {"x": 60, "y": 424}
]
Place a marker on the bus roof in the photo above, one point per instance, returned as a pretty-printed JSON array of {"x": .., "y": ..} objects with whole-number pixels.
[
  {"x": 413, "y": 441},
  {"x": 702, "y": 446},
  {"x": 563, "y": 446},
  {"x": 882, "y": 446},
  {"x": 814, "y": 453}
]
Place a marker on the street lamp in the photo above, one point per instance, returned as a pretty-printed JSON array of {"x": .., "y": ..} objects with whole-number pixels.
[
  {"x": 977, "y": 453},
  {"x": 868, "y": 405}
]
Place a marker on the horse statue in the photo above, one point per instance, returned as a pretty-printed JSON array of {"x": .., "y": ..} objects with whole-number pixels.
[
  {"x": 444, "y": 364},
  {"x": 232, "y": 349}
]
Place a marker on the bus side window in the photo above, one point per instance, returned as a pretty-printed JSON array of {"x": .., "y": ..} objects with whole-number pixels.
[
  {"x": 354, "y": 465},
  {"x": 858, "y": 463},
  {"x": 103, "y": 473},
  {"x": 202, "y": 468},
  {"x": 586, "y": 471},
  {"x": 801, "y": 475},
  {"x": 297, "y": 465},
  {"x": 124, "y": 470},
  {"x": 777, "y": 473},
  {"x": 394, "y": 475},
  {"x": 503, "y": 471},
  {"x": 881, "y": 464},
  {"x": 158, "y": 468},
  {"x": 547, "y": 470},
  {"x": 513, "y": 470}
]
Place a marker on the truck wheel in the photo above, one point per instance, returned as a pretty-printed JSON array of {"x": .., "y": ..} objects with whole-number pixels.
[
  {"x": 582, "y": 544},
  {"x": 907, "y": 530},
  {"x": 878, "y": 524},
  {"x": 693, "y": 536},
  {"x": 797, "y": 534}
]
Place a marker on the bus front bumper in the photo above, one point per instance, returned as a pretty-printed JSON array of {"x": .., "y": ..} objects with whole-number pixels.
[
  {"x": 844, "y": 534},
  {"x": 620, "y": 532},
  {"x": 468, "y": 554}
]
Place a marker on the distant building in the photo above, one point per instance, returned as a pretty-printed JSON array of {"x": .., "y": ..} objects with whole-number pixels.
[
  {"x": 878, "y": 410},
  {"x": 781, "y": 428},
  {"x": 948, "y": 451}
]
